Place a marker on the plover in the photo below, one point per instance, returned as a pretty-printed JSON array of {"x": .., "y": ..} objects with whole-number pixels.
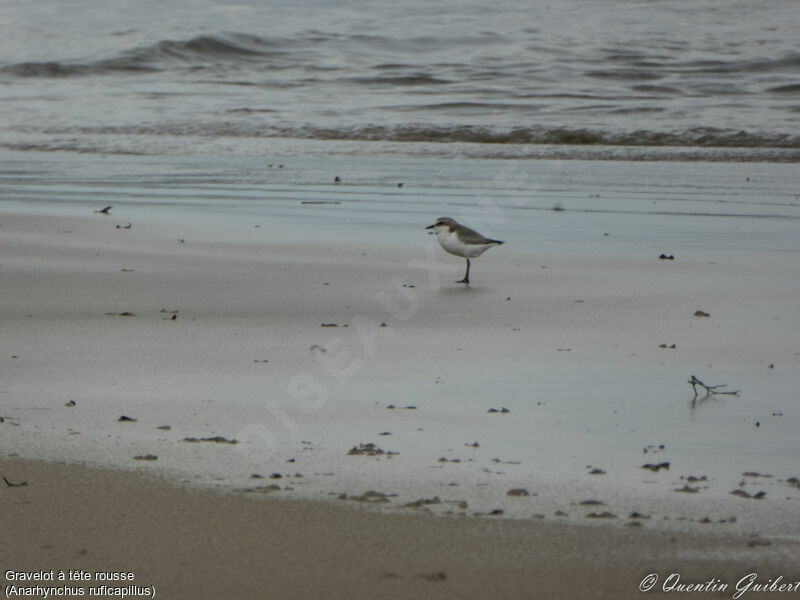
[{"x": 461, "y": 241}]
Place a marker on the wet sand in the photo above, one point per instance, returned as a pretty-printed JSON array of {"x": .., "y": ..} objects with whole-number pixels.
[{"x": 552, "y": 374}]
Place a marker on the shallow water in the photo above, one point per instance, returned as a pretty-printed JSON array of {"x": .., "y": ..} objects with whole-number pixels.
[{"x": 228, "y": 77}]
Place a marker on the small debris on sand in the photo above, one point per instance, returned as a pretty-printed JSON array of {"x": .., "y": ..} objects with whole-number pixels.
[
  {"x": 667, "y": 257},
  {"x": 69, "y": 403},
  {"x": 125, "y": 419},
  {"x": 368, "y": 497},
  {"x": 422, "y": 502},
  {"x": 501, "y": 411},
  {"x": 217, "y": 439},
  {"x": 493, "y": 513},
  {"x": 264, "y": 489},
  {"x": 688, "y": 489},
  {"x": 602, "y": 515},
  {"x": 505, "y": 462},
  {"x": 145, "y": 457},
  {"x": 518, "y": 492},
  {"x": 694, "y": 478},
  {"x": 700, "y": 313},
  {"x": 12, "y": 484},
  {"x": 440, "y": 576},
  {"x": 104, "y": 211},
  {"x": 369, "y": 449},
  {"x": 743, "y": 494},
  {"x": 655, "y": 468}
]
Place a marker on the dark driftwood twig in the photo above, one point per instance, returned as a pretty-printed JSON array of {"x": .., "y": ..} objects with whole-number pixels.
[
  {"x": 711, "y": 390},
  {"x": 10, "y": 484}
]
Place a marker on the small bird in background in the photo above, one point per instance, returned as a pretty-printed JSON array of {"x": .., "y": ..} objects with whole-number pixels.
[{"x": 461, "y": 241}]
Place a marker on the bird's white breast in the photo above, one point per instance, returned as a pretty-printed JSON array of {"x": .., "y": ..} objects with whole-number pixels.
[{"x": 450, "y": 242}]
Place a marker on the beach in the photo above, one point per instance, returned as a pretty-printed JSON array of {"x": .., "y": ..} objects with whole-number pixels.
[
  {"x": 234, "y": 363},
  {"x": 293, "y": 394},
  {"x": 188, "y": 543}
]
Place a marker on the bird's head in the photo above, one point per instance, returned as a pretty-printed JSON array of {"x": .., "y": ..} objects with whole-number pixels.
[{"x": 442, "y": 224}]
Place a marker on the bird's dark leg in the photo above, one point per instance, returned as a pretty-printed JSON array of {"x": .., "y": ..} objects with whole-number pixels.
[{"x": 466, "y": 275}]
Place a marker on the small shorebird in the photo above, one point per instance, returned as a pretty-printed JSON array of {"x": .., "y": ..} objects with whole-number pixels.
[{"x": 461, "y": 241}]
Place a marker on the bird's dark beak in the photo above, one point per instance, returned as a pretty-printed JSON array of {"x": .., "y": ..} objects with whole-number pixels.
[{"x": 431, "y": 227}]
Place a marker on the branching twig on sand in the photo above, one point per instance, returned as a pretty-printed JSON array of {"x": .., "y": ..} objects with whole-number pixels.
[{"x": 711, "y": 390}]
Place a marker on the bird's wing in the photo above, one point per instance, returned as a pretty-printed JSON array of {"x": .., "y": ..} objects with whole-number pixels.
[{"x": 470, "y": 236}]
